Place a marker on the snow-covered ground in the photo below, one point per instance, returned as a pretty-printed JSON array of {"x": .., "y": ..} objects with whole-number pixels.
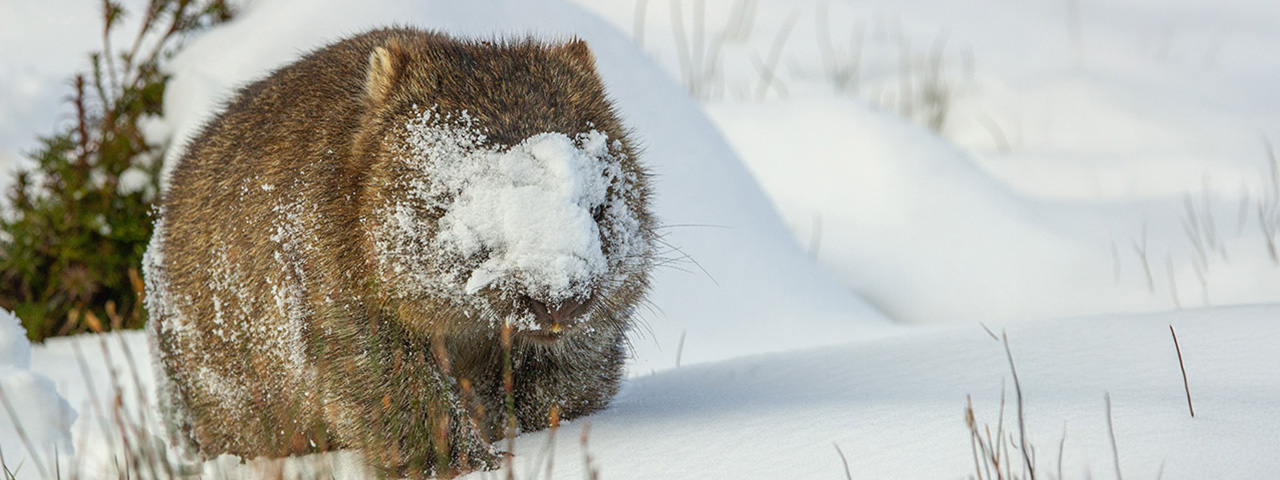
[{"x": 1101, "y": 167}]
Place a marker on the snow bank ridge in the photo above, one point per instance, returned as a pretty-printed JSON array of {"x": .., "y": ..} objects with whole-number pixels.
[{"x": 45, "y": 416}]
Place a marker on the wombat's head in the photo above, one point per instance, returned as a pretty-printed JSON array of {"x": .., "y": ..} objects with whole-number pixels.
[{"x": 504, "y": 190}]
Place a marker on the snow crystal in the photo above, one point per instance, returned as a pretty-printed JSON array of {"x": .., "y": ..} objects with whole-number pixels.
[{"x": 530, "y": 216}]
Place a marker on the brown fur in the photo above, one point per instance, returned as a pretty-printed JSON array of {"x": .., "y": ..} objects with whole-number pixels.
[{"x": 278, "y": 327}]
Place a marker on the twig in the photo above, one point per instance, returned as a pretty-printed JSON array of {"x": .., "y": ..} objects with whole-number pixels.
[
  {"x": 82, "y": 128},
  {"x": 844, "y": 460},
  {"x": 1115, "y": 453},
  {"x": 1185, "y": 385},
  {"x": 110, "y": 13},
  {"x": 148, "y": 23}
]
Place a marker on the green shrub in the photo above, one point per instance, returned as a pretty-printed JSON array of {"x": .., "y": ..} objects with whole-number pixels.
[{"x": 71, "y": 243}]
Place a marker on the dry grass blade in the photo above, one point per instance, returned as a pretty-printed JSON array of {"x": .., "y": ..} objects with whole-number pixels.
[
  {"x": 1022, "y": 429},
  {"x": 1269, "y": 205},
  {"x": 768, "y": 68},
  {"x": 589, "y": 468},
  {"x": 637, "y": 30},
  {"x": 680, "y": 347},
  {"x": 22, "y": 434},
  {"x": 94, "y": 402},
  {"x": 547, "y": 455},
  {"x": 845, "y": 461},
  {"x": 1115, "y": 453},
  {"x": 973, "y": 435},
  {"x": 5, "y": 472},
  {"x": 990, "y": 458},
  {"x": 842, "y": 70},
  {"x": 1186, "y": 386},
  {"x": 1061, "y": 445},
  {"x": 989, "y": 332}
]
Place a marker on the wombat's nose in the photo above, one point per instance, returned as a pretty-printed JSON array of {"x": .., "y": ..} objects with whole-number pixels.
[{"x": 558, "y": 316}]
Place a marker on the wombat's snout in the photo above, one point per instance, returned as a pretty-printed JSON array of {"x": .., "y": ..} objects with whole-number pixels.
[{"x": 556, "y": 318}]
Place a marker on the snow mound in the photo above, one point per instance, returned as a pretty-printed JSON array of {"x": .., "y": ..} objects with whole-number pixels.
[
  {"x": 914, "y": 224},
  {"x": 43, "y": 416},
  {"x": 889, "y": 404}
]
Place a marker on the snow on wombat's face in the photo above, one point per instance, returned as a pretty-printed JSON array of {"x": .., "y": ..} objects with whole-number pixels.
[{"x": 550, "y": 218}]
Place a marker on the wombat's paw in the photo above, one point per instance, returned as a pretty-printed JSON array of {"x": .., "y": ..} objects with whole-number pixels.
[
  {"x": 484, "y": 458},
  {"x": 475, "y": 454}
]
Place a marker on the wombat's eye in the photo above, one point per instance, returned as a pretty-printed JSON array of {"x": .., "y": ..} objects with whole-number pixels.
[{"x": 597, "y": 213}]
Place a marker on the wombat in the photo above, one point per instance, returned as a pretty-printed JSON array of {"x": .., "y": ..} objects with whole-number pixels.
[{"x": 404, "y": 243}]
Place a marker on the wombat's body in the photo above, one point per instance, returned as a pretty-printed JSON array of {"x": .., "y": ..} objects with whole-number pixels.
[{"x": 339, "y": 252}]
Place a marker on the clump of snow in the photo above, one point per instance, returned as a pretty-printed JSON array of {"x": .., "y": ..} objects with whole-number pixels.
[
  {"x": 15, "y": 351},
  {"x": 531, "y": 218},
  {"x": 45, "y": 417},
  {"x": 133, "y": 180}
]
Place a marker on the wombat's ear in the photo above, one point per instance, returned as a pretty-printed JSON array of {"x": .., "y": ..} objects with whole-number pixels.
[
  {"x": 578, "y": 53},
  {"x": 385, "y": 65}
]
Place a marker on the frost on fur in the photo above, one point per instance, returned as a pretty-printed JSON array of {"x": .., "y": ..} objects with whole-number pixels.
[{"x": 532, "y": 218}]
